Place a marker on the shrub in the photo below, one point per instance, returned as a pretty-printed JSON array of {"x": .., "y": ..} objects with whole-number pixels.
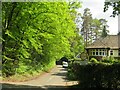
[
  {"x": 93, "y": 60},
  {"x": 70, "y": 73},
  {"x": 97, "y": 75},
  {"x": 110, "y": 60}
]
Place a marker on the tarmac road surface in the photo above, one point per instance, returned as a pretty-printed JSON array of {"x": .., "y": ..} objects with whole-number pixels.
[{"x": 56, "y": 78}]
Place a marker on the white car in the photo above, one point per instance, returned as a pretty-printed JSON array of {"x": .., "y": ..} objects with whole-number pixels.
[{"x": 65, "y": 64}]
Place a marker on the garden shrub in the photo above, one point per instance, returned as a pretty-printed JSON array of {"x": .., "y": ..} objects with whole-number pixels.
[
  {"x": 93, "y": 60},
  {"x": 97, "y": 75},
  {"x": 70, "y": 73},
  {"x": 110, "y": 60}
]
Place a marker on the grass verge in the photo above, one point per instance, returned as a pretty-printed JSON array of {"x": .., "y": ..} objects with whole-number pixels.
[{"x": 26, "y": 76}]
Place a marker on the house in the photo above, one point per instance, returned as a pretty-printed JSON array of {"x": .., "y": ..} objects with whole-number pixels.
[{"x": 108, "y": 46}]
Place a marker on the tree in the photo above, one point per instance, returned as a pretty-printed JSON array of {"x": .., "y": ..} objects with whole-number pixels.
[
  {"x": 35, "y": 35},
  {"x": 104, "y": 32},
  {"x": 77, "y": 45},
  {"x": 115, "y": 5},
  {"x": 77, "y": 41},
  {"x": 73, "y": 6},
  {"x": 103, "y": 28},
  {"x": 96, "y": 29},
  {"x": 91, "y": 27},
  {"x": 86, "y": 26}
]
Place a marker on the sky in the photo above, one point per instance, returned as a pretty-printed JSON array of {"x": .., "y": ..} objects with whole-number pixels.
[{"x": 96, "y": 7}]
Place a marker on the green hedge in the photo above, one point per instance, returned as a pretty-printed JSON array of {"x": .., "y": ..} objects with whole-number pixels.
[{"x": 97, "y": 75}]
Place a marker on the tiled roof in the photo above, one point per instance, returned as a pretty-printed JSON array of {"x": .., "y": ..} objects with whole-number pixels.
[{"x": 111, "y": 41}]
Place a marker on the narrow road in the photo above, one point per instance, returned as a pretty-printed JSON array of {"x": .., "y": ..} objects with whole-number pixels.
[{"x": 55, "y": 78}]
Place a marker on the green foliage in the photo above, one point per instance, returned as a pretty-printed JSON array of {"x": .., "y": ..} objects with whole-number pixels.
[
  {"x": 93, "y": 60},
  {"x": 92, "y": 27},
  {"x": 97, "y": 75},
  {"x": 70, "y": 74},
  {"x": 115, "y": 5},
  {"x": 110, "y": 60},
  {"x": 36, "y": 35},
  {"x": 104, "y": 33},
  {"x": 77, "y": 45},
  {"x": 77, "y": 59}
]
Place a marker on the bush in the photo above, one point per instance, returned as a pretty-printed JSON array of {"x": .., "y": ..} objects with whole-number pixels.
[
  {"x": 110, "y": 60},
  {"x": 70, "y": 73},
  {"x": 97, "y": 75},
  {"x": 93, "y": 60}
]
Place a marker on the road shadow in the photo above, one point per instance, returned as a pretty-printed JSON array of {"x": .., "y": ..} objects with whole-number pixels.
[
  {"x": 27, "y": 87},
  {"x": 53, "y": 87},
  {"x": 63, "y": 69},
  {"x": 63, "y": 72},
  {"x": 60, "y": 74},
  {"x": 20, "y": 87}
]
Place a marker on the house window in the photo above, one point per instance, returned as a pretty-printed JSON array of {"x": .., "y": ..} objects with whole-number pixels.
[
  {"x": 111, "y": 52},
  {"x": 102, "y": 52},
  {"x": 93, "y": 53},
  {"x": 119, "y": 52},
  {"x": 98, "y": 52}
]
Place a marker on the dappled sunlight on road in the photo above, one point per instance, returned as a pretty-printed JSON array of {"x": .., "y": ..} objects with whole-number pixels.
[
  {"x": 28, "y": 87},
  {"x": 56, "y": 78}
]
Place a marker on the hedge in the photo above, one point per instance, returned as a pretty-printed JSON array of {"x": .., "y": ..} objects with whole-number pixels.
[{"x": 97, "y": 75}]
